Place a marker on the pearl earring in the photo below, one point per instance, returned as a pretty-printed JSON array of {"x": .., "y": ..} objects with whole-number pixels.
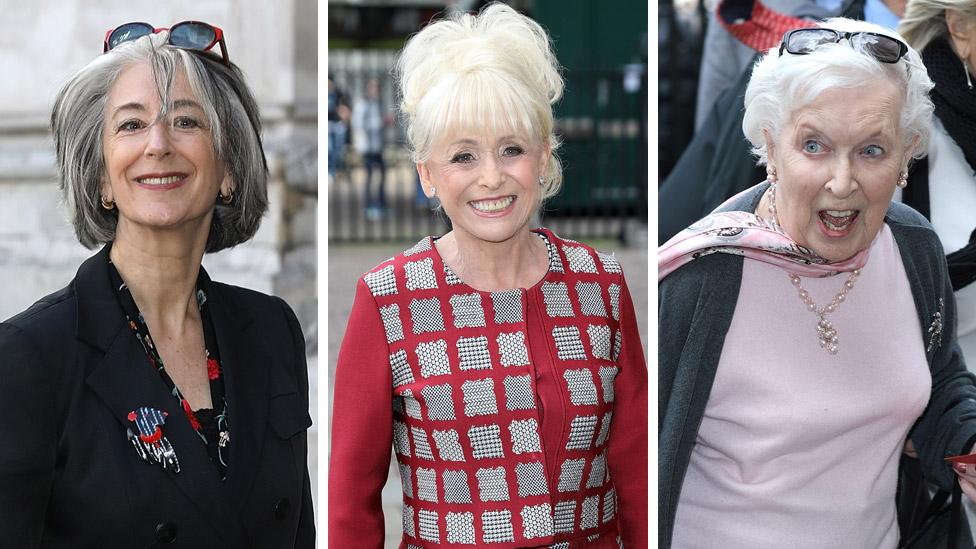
[{"x": 902, "y": 180}]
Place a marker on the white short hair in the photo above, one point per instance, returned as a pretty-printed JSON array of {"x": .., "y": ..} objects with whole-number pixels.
[
  {"x": 782, "y": 85},
  {"x": 492, "y": 73}
]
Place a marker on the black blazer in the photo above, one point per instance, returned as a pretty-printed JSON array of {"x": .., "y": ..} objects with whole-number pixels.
[{"x": 71, "y": 370}]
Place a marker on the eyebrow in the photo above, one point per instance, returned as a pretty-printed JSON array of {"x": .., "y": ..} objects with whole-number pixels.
[
  {"x": 467, "y": 141},
  {"x": 178, "y": 104}
]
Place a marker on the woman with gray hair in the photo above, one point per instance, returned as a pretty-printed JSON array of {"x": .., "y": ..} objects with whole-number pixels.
[
  {"x": 493, "y": 358},
  {"x": 177, "y": 402},
  {"x": 807, "y": 326}
]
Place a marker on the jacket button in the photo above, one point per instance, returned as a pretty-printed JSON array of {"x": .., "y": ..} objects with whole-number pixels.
[
  {"x": 166, "y": 532},
  {"x": 281, "y": 508}
]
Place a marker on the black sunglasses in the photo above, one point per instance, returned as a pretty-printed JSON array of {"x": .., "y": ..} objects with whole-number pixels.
[
  {"x": 191, "y": 35},
  {"x": 883, "y": 48}
]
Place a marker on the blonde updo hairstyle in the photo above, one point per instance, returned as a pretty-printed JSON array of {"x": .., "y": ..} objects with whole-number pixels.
[{"x": 493, "y": 73}]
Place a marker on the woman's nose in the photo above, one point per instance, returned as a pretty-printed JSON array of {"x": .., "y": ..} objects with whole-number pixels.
[
  {"x": 492, "y": 175},
  {"x": 158, "y": 142},
  {"x": 842, "y": 182}
]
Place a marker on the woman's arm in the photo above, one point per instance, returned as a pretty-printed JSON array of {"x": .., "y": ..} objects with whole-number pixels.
[
  {"x": 362, "y": 429},
  {"x": 28, "y": 439},
  {"x": 628, "y": 433}
]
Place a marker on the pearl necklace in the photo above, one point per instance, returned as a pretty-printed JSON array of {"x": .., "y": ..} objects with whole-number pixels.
[{"x": 826, "y": 333}]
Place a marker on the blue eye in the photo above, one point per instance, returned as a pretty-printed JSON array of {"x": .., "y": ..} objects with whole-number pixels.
[
  {"x": 812, "y": 147},
  {"x": 874, "y": 151}
]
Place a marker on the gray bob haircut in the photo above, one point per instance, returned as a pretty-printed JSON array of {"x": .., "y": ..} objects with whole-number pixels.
[
  {"x": 781, "y": 85},
  {"x": 78, "y": 120}
]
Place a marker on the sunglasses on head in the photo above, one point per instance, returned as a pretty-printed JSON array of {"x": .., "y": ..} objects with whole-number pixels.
[
  {"x": 882, "y": 47},
  {"x": 190, "y": 35}
]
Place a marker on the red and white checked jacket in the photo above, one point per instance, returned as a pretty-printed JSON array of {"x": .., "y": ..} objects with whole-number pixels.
[{"x": 499, "y": 406}]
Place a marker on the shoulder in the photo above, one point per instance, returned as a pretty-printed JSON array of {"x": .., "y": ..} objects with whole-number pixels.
[
  {"x": 572, "y": 257},
  {"x": 47, "y": 323},
  {"x": 416, "y": 268},
  {"x": 909, "y": 227},
  {"x": 260, "y": 306}
]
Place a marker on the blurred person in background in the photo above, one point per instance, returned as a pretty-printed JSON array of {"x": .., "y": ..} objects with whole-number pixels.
[
  {"x": 339, "y": 115},
  {"x": 177, "y": 403},
  {"x": 494, "y": 358},
  {"x": 369, "y": 121}
]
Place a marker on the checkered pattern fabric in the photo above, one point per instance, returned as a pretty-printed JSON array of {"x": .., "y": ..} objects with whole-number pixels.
[
  {"x": 609, "y": 506},
  {"x": 467, "y": 430},
  {"x": 610, "y": 264}
]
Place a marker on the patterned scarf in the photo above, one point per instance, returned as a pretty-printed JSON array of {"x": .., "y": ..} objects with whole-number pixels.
[
  {"x": 755, "y": 25},
  {"x": 955, "y": 104},
  {"x": 747, "y": 234}
]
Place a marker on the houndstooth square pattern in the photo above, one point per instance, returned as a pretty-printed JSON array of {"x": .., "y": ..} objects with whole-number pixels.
[
  {"x": 614, "y": 291},
  {"x": 479, "y": 397},
  {"x": 408, "y": 521},
  {"x": 609, "y": 506},
  {"x": 610, "y": 263},
  {"x": 401, "y": 441},
  {"x": 448, "y": 445},
  {"x": 440, "y": 401},
  {"x": 604, "y": 428},
  {"x": 381, "y": 282},
  {"x": 508, "y": 306},
  {"x": 571, "y": 474},
  {"x": 598, "y": 471},
  {"x": 556, "y": 296},
  {"x": 429, "y": 530},
  {"x": 420, "y": 274},
  {"x": 420, "y": 247},
  {"x": 590, "y": 513},
  {"x": 564, "y": 516},
  {"x": 582, "y": 391},
  {"x": 560, "y": 545},
  {"x": 460, "y": 528},
  {"x": 402, "y": 375},
  {"x": 492, "y": 484},
  {"x": 467, "y": 309},
  {"x": 607, "y": 376},
  {"x": 531, "y": 479},
  {"x": 580, "y": 432},
  {"x": 473, "y": 353},
  {"x": 599, "y": 340},
  {"x": 536, "y": 521},
  {"x": 555, "y": 263},
  {"x": 391, "y": 322},
  {"x": 518, "y": 393},
  {"x": 456, "y": 487},
  {"x": 421, "y": 446},
  {"x": 411, "y": 406},
  {"x": 496, "y": 526},
  {"x": 486, "y": 441},
  {"x": 426, "y": 315},
  {"x": 580, "y": 260},
  {"x": 512, "y": 349},
  {"x": 432, "y": 357},
  {"x": 405, "y": 479},
  {"x": 617, "y": 344},
  {"x": 525, "y": 436},
  {"x": 568, "y": 343},
  {"x": 427, "y": 484},
  {"x": 449, "y": 276},
  {"x": 590, "y": 299}
]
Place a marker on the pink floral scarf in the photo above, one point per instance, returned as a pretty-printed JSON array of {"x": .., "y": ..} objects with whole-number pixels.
[{"x": 747, "y": 234}]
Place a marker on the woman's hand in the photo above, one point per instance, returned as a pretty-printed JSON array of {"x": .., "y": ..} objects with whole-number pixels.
[{"x": 966, "y": 472}]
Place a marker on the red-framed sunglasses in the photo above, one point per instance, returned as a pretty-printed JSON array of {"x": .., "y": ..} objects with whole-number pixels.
[{"x": 191, "y": 35}]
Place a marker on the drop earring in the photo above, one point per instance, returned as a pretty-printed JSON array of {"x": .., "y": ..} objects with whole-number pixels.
[{"x": 902, "y": 180}]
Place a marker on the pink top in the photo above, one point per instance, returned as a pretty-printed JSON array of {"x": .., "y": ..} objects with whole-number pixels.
[{"x": 797, "y": 444}]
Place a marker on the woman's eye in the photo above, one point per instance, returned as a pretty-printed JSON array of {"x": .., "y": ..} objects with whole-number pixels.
[
  {"x": 462, "y": 158},
  {"x": 812, "y": 147},
  {"x": 513, "y": 150},
  {"x": 131, "y": 126},
  {"x": 873, "y": 150},
  {"x": 185, "y": 123}
]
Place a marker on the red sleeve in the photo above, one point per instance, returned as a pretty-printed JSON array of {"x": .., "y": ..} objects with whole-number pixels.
[
  {"x": 628, "y": 432},
  {"x": 362, "y": 429}
]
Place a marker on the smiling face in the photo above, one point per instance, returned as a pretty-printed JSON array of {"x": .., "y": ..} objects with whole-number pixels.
[
  {"x": 488, "y": 186},
  {"x": 837, "y": 161},
  {"x": 162, "y": 173}
]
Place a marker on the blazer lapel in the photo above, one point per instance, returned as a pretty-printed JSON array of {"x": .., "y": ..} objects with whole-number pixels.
[
  {"x": 124, "y": 380},
  {"x": 245, "y": 362}
]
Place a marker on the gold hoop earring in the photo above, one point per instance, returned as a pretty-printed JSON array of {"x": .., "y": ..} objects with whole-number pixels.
[
  {"x": 226, "y": 199},
  {"x": 108, "y": 204}
]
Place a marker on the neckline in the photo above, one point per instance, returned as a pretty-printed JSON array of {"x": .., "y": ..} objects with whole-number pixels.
[{"x": 548, "y": 238}]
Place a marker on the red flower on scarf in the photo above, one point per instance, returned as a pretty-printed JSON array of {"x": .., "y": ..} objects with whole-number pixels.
[
  {"x": 194, "y": 422},
  {"x": 213, "y": 369}
]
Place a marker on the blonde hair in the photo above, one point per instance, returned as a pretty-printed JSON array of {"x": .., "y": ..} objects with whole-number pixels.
[
  {"x": 492, "y": 72},
  {"x": 924, "y": 20}
]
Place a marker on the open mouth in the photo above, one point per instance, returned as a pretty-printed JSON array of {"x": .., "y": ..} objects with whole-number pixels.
[
  {"x": 493, "y": 205},
  {"x": 161, "y": 180},
  {"x": 838, "y": 222}
]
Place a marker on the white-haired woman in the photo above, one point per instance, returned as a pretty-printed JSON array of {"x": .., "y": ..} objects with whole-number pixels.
[
  {"x": 144, "y": 403},
  {"x": 807, "y": 327},
  {"x": 493, "y": 358}
]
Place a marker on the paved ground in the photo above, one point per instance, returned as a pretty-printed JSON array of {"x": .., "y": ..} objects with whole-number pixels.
[{"x": 347, "y": 263}]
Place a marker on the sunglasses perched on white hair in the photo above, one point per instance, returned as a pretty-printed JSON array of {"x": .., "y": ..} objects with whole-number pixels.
[{"x": 882, "y": 47}]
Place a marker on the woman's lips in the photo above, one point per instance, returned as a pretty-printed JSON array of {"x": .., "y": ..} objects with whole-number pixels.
[
  {"x": 161, "y": 182},
  {"x": 837, "y": 223},
  {"x": 493, "y": 207}
]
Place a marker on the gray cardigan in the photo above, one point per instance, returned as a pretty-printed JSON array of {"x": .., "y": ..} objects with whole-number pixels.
[{"x": 695, "y": 308}]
